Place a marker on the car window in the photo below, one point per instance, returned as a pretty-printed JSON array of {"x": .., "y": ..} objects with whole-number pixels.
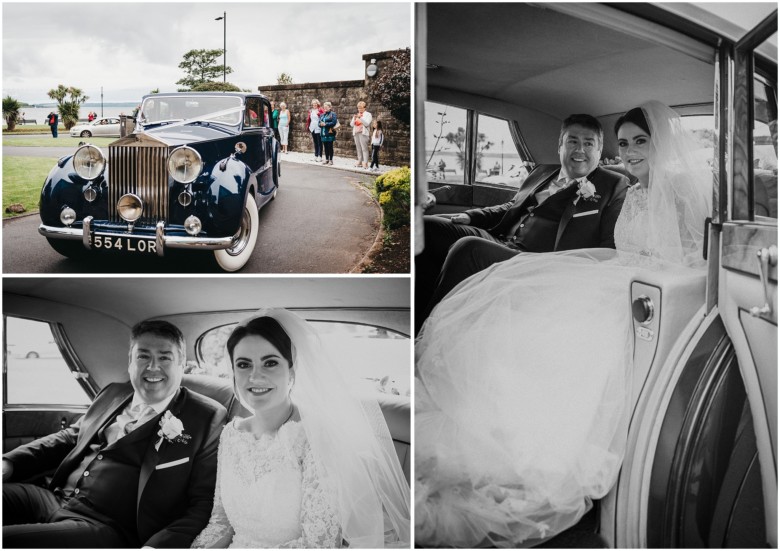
[
  {"x": 764, "y": 149},
  {"x": 498, "y": 161},
  {"x": 252, "y": 113},
  {"x": 702, "y": 127},
  {"x": 161, "y": 108},
  {"x": 445, "y": 140},
  {"x": 373, "y": 357},
  {"x": 32, "y": 356}
]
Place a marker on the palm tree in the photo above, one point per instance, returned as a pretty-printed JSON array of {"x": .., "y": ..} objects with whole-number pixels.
[
  {"x": 69, "y": 100},
  {"x": 11, "y": 109}
]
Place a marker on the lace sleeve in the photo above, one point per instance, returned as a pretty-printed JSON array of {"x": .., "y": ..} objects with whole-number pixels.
[
  {"x": 320, "y": 526},
  {"x": 218, "y": 533}
]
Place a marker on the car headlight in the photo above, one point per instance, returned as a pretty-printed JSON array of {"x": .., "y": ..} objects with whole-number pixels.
[
  {"x": 89, "y": 162},
  {"x": 130, "y": 207},
  {"x": 184, "y": 164}
]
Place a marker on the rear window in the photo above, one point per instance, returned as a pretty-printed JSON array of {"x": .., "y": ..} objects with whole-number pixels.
[{"x": 374, "y": 357}]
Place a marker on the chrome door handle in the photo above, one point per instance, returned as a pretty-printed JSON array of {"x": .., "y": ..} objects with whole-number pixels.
[{"x": 766, "y": 257}]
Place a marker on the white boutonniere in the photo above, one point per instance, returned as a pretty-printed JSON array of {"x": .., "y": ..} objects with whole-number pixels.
[
  {"x": 586, "y": 190},
  {"x": 172, "y": 430}
]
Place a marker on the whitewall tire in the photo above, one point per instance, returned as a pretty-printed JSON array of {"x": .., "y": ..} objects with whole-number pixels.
[{"x": 237, "y": 255}]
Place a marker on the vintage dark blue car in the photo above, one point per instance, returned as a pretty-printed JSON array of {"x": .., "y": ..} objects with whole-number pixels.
[{"x": 192, "y": 175}]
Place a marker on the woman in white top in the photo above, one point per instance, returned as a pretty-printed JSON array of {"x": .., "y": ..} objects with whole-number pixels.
[
  {"x": 361, "y": 130},
  {"x": 284, "y": 125},
  {"x": 313, "y": 126}
]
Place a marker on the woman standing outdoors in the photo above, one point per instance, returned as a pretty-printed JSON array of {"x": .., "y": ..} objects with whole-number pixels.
[
  {"x": 361, "y": 130},
  {"x": 284, "y": 126},
  {"x": 327, "y": 121},
  {"x": 313, "y": 126}
]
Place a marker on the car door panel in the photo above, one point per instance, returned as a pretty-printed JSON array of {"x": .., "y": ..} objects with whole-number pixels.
[
  {"x": 747, "y": 276},
  {"x": 23, "y": 425}
]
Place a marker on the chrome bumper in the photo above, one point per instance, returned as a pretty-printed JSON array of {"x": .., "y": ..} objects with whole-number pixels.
[{"x": 163, "y": 241}]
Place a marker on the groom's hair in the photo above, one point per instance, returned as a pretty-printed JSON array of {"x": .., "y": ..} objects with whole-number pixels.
[
  {"x": 162, "y": 329},
  {"x": 267, "y": 328},
  {"x": 586, "y": 121}
]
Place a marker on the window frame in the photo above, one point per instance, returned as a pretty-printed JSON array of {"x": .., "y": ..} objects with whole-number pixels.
[
  {"x": 346, "y": 315},
  {"x": 470, "y": 147},
  {"x": 69, "y": 356}
]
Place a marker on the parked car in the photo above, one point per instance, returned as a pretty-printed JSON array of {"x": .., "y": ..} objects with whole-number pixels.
[
  {"x": 367, "y": 320},
  {"x": 497, "y": 80},
  {"x": 103, "y": 127},
  {"x": 192, "y": 175}
]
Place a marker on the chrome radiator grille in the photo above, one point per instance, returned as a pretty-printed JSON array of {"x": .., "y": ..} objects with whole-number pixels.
[{"x": 141, "y": 171}]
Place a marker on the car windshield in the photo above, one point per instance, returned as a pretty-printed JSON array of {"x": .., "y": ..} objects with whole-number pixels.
[{"x": 160, "y": 109}]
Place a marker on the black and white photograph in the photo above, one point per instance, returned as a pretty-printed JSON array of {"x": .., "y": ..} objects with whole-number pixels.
[
  {"x": 206, "y": 137},
  {"x": 206, "y": 412},
  {"x": 595, "y": 275},
  {"x": 431, "y": 275}
]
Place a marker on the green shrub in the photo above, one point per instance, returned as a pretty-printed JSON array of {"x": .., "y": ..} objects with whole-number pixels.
[{"x": 393, "y": 190}]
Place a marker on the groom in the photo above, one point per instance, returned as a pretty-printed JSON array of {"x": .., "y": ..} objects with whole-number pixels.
[
  {"x": 137, "y": 470},
  {"x": 573, "y": 206}
]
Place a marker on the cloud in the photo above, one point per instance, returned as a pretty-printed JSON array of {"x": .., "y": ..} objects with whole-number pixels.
[{"x": 131, "y": 48}]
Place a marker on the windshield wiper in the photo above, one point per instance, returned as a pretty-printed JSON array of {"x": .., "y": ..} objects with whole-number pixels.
[{"x": 160, "y": 123}]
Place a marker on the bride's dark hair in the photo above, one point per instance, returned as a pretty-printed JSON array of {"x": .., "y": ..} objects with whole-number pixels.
[
  {"x": 265, "y": 327},
  {"x": 636, "y": 116}
]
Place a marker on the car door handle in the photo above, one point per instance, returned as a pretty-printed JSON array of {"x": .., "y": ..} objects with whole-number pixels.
[{"x": 766, "y": 257}]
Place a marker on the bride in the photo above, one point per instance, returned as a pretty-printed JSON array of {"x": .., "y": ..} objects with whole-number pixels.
[
  {"x": 523, "y": 371},
  {"x": 313, "y": 467}
]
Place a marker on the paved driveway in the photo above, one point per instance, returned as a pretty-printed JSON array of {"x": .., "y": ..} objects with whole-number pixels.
[{"x": 322, "y": 221}]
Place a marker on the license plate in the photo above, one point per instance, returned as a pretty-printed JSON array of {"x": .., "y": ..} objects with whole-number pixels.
[{"x": 124, "y": 243}]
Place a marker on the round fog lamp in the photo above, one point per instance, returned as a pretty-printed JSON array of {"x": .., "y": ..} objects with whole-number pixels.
[
  {"x": 185, "y": 198},
  {"x": 192, "y": 225},
  {"x": 130, "y": 207},
  {"x": 184, "y": 164},
  {"x": 90, "y": 194},
  {"x": 89, "y": 162},
  {"x": 67, "y": 216}
]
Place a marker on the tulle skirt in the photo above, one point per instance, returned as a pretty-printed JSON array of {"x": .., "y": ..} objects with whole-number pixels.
[{"x": 523, "y": 379}]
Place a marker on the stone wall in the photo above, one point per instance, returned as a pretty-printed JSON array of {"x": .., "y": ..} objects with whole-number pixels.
[{"x": 344, "y": 95}]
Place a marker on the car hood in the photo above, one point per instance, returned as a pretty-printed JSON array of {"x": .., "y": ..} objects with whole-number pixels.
[{"x": 180, "y": 135}]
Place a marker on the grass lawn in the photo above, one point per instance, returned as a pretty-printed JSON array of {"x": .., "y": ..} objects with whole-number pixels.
[
  {"x": 47, "y": 141},
  {"x": 31, "y": 129},
  {"x": 23, "y": 179}
]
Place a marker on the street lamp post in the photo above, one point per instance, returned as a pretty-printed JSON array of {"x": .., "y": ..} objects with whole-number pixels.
[{"x": 224, "y": 44}]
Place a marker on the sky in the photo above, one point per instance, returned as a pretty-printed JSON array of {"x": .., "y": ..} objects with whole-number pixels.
[{"x": 131, "y": 48}]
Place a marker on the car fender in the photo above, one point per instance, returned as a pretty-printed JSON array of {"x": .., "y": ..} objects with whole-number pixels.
[
  {"x": 228, "y": 183},
  {"x": 64, "y": 187}
]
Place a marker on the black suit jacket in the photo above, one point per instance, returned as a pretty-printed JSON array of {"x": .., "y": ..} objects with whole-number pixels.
[
  {"x": 579, "y": 227},
  {"x": 176, "y": 482}
]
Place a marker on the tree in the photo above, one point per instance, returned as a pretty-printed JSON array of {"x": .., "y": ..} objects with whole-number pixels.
[
  {"x": 69, "y": 100},
  {"x": 216, "y": 87},
  {"x": 439, "y": 136},
  {"x": 392, "y": 85},
  {"x": 284, "y": 78},
  {"x": 11, "y": 111},
  {"x": 459, "y": 138},
  {"x": 201, "y": 66}
]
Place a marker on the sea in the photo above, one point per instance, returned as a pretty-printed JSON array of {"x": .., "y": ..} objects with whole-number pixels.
[{"x": 39, "y": 113}]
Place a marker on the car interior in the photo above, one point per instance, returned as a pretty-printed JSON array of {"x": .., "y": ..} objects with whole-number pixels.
[
  {"x": 563, "y": 59},
  {"x": 86, "y": 326},
  {"x": 493, "y": 84}
]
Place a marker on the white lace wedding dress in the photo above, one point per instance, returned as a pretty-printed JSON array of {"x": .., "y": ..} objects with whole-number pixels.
[
  {"x": 523, "y": 373},
  {"x": 270, "y": 493}
]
